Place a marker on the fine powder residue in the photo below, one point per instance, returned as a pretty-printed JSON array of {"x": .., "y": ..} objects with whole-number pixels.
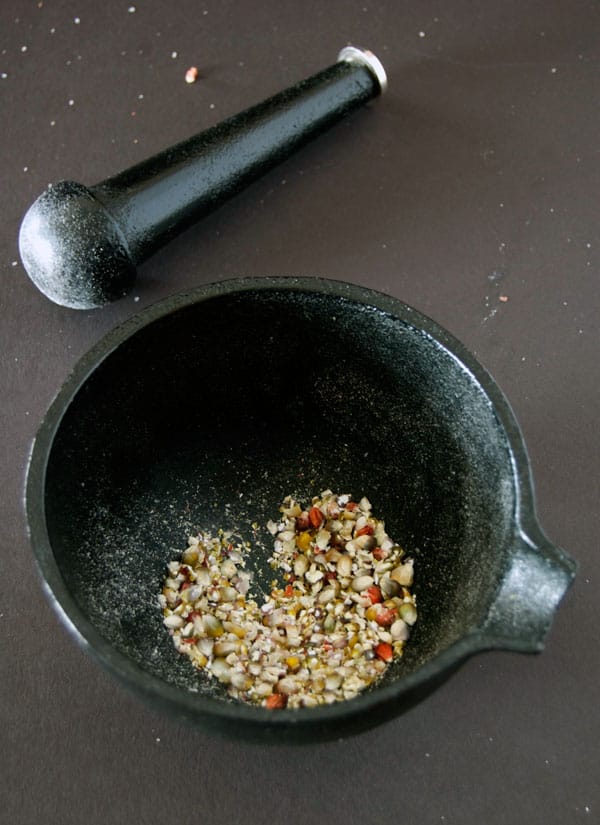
[{"x": 342, "y": 615}]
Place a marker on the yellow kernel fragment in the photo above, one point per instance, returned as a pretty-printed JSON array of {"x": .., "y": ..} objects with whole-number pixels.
[
  {"x": 190, "y": 556},
  {"x": 318, "y": 684},
  {"x": 293, "y": 663},
  {"x": 303, "y": 541},
  {"x": 371, "y": 613},
  {"x": 212, "y": 627},
  {"x": 237, "y": 629},
  {"x": 199, "y": 659}
]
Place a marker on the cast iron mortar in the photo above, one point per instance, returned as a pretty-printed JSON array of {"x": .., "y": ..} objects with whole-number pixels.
[{"x": 205, "y": 410}]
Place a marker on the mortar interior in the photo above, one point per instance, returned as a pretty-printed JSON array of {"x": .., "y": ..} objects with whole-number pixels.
[{"x": 208, "y": 416}]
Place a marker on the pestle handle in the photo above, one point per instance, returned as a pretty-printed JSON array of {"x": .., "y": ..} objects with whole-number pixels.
[{"x": 81, "y": 246}]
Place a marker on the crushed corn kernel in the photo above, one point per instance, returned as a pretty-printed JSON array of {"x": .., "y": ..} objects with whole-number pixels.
[{"x": 332, "y": 630}]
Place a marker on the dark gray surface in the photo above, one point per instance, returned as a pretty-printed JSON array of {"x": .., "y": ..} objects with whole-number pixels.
[{"x": 476, "y": 177}]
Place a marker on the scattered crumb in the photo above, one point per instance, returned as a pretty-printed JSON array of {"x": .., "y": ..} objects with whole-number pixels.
[
  {"x": 173, "y": 55},
  {"x": 131, "y": 9},
  {"x": 503, "y": 298},
  {"x": 191, "y": 76},
  {"x": 77, "y": 20},
  {"x": 421, "y": 34}
]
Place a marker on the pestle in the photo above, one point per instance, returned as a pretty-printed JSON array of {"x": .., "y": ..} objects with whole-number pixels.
[{"x": 81, "y": 245}]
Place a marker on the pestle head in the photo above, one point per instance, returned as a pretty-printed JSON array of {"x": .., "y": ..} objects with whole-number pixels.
[{"x": 73, "y": 250}]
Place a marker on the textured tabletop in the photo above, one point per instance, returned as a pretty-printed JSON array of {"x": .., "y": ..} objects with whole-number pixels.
[{"x": 470, "y": 191}]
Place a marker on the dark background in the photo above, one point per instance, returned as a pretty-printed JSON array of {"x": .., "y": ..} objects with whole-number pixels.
[{"x": 475, "y": 177}]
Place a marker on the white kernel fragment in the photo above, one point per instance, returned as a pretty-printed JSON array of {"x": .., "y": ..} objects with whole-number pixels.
[
  {"x": 404, "y": 573},
  {"x": 360, "y": 583},
  {"x": 221, "y": 670},
  {"x": 399, "y": 630},
  {"x": 173, "y": 621}
]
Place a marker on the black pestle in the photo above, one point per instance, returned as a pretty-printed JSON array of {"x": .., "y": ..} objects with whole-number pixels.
[{"x": 81, "y": 246}]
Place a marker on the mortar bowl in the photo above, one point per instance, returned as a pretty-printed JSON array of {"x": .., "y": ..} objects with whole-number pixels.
[{"x": 205, "y": 410}]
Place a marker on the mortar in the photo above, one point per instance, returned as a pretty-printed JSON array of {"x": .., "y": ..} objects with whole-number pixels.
[{"x": 205, "y": 410}]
